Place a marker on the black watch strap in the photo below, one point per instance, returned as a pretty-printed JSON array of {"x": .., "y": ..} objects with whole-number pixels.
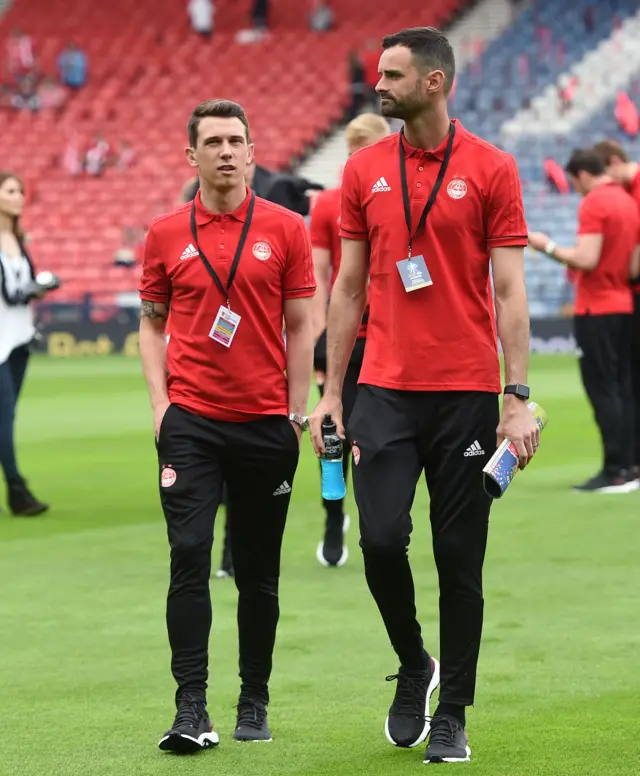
[{"x": 519, "y": 390}]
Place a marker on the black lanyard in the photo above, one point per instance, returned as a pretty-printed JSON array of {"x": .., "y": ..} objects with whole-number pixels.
[
  {"x": 236, "y": 259},
  {"x": 434, "y": 190}
]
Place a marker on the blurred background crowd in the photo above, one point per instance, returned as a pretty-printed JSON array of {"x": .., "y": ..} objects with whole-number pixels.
[{"x": 94, "y": 100}]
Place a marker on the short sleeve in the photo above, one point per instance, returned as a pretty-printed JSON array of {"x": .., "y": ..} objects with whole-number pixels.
[
  {"x": 299, "y": 277},
  {"x": 505, "y": 222},
  {"x": 154, "y": 284},
  {"x": 321, "y": 226},
  {"x": 353, "y": 224},
  {"x": 590, "y": 216}
]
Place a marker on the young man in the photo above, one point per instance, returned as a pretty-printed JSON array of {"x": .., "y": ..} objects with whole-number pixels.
[
  {"x": 608, "y": 229},
  {"x": 230, "y": 266},
  {"x": 425, "y": 213},
  {"x": 364, "y": 130},
  {"x": 627, "y": 173}
]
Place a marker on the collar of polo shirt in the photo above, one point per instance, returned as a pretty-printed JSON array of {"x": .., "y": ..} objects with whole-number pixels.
[
  {"x": 204, "y": 216},
  {"x": 436, "y": 153}
]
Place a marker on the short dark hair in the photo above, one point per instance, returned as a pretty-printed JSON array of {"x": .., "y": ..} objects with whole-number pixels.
[
  {"x": 222, "y": 109},
  {"x": 607, "y": 149},
  {"x": 430, "y": 47},
  {"x": 585, "y": 160}
]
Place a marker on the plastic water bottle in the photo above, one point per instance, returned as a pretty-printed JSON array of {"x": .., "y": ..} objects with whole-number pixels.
[
  {"x": 333, "y": 484},
  {"x": 504, "y": 465}
]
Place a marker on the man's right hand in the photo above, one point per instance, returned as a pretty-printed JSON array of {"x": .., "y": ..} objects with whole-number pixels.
[
  {"x": 158, "y": 415},
  {"x": 329, "y": 405}
]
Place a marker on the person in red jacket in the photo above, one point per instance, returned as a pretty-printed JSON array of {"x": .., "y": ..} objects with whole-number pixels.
[
  {"x": 364, "y": 130},
  {"x": 608, "y": 228},
  {"x": 627, "y": 173}
]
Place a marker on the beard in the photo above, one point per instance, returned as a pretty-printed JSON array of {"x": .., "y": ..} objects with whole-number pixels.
[{"x": 405, "y": 109}]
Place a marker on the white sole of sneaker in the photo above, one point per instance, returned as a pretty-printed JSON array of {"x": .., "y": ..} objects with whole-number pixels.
[
  {"x": 451, "y": 759},
  {"x": 182, "y": 744},
  {"x": 613, "y": 490},
  {"x": 253, "y": 740},
  {"x": 433, "y": 684}
]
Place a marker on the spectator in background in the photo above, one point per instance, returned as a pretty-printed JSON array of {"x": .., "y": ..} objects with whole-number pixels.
[
  {"x": 202, "y": 15},
  {"x": 97, "y": 156},
  {"x": 72, "y": 160},
  {"x": 20, "y": 59},
  {"x": 26, "y": 95},
  {"x": 358, "y": 85},
  {"x": 322, "y": 17},
  {"x": 72, "y": 66},
  {"x": 627, "y": 114},
  {"x": 51, "y": 94},
  {"x": 589, "y": 19},
  {"x": 126, "y": 156},
  {"x": 260, "y": 14}
]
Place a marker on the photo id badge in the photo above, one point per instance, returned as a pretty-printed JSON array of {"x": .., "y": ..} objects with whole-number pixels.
[
  {"x": 414, "y": 273},
  {"x": 225, "y": 326}
]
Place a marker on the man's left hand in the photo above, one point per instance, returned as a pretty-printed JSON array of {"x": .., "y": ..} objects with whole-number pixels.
[
  {"x": 538, "y": 241},
  {"x": 518, "y": 426}
]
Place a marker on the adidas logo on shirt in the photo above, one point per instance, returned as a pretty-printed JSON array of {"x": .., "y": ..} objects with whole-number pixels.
[
  {"x": 189, "y": 252},
  {"x": 380, "y": 185},
  {"x": 283, "y": 489},
  {"x": 473, "y": 449}
]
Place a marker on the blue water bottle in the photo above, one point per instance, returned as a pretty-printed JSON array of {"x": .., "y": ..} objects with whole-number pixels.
[{"x": 333, "y": 485}]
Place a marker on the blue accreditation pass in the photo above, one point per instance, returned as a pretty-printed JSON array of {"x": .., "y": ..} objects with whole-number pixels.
[{"x": 414, "y": 273}]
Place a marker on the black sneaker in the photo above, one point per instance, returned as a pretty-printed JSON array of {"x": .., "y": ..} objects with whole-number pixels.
[
  {"x": 608, "y": 483},
  {"x": 192, "y": 729},
  {"x": 21, "y": 500},
  {"x": 332, "y": 551},
  {"x": 408, "y": 722},
  {"x": 251, "y": 724},
  {"x": 448, "y": 743}
]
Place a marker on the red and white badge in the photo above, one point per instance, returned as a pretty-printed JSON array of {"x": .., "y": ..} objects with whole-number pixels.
[
  {"x": 168, "y": 477},
  {"x": 355, "y": 451},
  {"x": 457, "y": 188},
  {"x": 262, "y": 250}
]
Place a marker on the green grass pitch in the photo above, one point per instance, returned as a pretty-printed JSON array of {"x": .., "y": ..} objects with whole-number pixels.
[{"x": 84, "y": 666}]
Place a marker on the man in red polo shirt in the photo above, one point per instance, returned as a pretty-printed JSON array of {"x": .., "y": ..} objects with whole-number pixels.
[
  {"x": 608, "y": 231},
  {"x": 365, "y": 129},
  {"x": 229, "y": 267},
  {"x": 626, "y": 172},
  {"x": 426, "y": 213}
]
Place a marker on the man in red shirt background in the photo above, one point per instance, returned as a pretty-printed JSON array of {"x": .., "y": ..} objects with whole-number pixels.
[
  {"x": 365, "y": 129},
  {"x": 627, "y": 173},
  {"x": 228, "y": 404},
  {"x": 426, "y": 214},
  {"x": 608, "y": 230}
]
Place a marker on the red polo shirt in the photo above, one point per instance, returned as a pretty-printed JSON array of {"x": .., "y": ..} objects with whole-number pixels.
[
  {"x": 247, "y": 380},
  {"x": 634, "y": 190},
  {"x": 325, "y": 233},
  {"x": 610, "y": 211},
  {"x": 442, "y": 337}
]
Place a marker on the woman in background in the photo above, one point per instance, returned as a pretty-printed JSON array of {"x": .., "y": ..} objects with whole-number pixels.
[{"x": 17, "y": 329}]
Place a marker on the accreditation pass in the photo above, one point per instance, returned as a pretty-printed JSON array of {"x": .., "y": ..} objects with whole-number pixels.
[{"x": 225, "y": 326}]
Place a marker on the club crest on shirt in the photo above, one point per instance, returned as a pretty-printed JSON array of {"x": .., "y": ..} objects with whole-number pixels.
[
  {"x": 262, "y": 250},
  {"x": 457, "y": 188},
  {"x": 168, "y": 477}
]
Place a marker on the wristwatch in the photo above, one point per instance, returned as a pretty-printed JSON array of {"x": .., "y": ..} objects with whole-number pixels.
[
  {"x": 519, "y": 390},
  {"x": 299, "y": 420}
]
